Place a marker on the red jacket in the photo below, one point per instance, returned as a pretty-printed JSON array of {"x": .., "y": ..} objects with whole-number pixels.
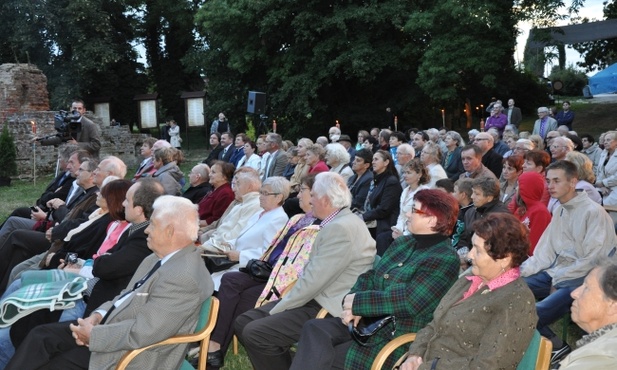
[
  {"x": 536, "y": 217},
  {"x": 213, "y": 205}
]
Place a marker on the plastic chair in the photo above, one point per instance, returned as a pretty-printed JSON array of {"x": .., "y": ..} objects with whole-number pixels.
[
  {"x": 537, "y": 355},
  {"x": 205, "y": 325}
]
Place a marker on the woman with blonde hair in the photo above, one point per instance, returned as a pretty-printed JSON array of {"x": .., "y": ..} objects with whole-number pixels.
[
  {"x": 586, "y": 177},
  {"x": 537, "y": 139}
]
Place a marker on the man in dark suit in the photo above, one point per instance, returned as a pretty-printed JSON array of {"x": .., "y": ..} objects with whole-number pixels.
[
  {"x": 238, "y": 149},
  {"x": 227, "y": 142},
  {"x": 112, "y": 270},
  {"x": 162, "y": 299},
  {"x": 278, "y": 158},
  {"x": 514, "y": 115},
  {"x": 58, "y": 188},
  {"x": 22, "y": 244}
]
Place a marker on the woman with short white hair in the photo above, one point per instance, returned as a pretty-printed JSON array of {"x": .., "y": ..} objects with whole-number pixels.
[
  {"x": 260, "y": 229},
  {"x": 337, "y": 158}
]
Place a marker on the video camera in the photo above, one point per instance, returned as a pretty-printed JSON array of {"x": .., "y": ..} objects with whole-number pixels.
[{"x": 67, "y": 124}]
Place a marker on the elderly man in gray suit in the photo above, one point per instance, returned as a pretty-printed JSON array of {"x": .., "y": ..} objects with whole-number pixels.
[
  {"x": 162, "y": 299},
  {"x": 278, "y": 158},
  {"x": 341, "y": 252}
]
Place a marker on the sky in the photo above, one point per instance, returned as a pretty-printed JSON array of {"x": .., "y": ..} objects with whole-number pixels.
[{"x": 591, "y": 9}]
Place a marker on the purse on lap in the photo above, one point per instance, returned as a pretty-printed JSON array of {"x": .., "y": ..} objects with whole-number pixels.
[{"x": 369, "y": 326}]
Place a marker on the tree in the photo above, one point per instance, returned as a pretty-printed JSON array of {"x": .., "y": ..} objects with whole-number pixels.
[
  {"x": 8, "y": 154},
  {"x": 321, "y": 60},
  {"x": 83, "y": 47},
  {"x": 598, "y": 55}
]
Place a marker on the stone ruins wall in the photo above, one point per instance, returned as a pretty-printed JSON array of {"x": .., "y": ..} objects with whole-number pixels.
[{"x": 24, "y": 100}]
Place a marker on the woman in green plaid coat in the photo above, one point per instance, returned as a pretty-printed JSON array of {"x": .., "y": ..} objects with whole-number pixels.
[{"x": 408, "y": 282}]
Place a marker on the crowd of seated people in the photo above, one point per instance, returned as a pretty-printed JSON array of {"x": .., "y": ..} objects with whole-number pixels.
[{"x": 524, "y": 218}]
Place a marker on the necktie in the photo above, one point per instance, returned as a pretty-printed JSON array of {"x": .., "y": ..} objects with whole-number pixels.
[{"x": 136, "y": 286}]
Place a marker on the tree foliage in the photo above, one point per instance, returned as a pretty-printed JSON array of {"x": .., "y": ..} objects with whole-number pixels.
[
  {"x": 573, "y": 80},
  {"x": 86, "y": 49},
  {"x": 8, "y": 153},
  {"x": 349, "y": 60},
  {"x": 598, "y": 55}
]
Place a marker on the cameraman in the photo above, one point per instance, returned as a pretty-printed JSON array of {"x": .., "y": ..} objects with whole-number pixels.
[{"x": 87, "y": 137}]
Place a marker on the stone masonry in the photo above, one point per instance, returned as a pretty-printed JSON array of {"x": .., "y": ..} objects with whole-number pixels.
[{"x": 24, "y": 103}]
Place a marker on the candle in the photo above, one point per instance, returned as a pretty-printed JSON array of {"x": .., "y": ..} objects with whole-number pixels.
[
  {"x": 338, "y": 125},
  {"x": 395, "y": 123},
  {"x": 443, "y": 117},
  {"x": 33, "y": 123},
  {"x": 274, "y": 125}
]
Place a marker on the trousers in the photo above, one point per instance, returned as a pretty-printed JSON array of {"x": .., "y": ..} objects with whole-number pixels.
[{"x": 268, "y": 338}]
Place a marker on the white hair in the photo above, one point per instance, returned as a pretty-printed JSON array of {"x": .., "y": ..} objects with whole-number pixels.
[
  {"x": 333, "y": 186},
  {"x": 179, "y": 212},
  {"x": 337, "y": 152}
]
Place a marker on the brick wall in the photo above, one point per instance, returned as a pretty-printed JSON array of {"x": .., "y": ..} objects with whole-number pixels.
[{"x": 24, "y": 99}]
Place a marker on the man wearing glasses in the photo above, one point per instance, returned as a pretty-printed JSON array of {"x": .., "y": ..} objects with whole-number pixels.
[
  {"x": 544, "y": 123},
  {"x": 560, "y": 147}
]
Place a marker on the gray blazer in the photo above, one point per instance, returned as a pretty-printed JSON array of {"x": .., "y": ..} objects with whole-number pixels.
[
  {"x": 341, "y": 252},
  {"x": 551, "y": 125},
  {"x": 167, "y": 304},
  {"x": 278, "y": 160}
]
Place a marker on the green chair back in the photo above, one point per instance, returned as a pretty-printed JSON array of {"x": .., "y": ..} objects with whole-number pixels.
[{"x": 528, "y": 362}]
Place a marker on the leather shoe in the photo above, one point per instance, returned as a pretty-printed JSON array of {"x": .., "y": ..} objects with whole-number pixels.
[{"x": 216, "y": 359}]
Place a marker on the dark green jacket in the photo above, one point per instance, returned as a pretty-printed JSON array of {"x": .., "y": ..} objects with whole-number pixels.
[{"x": 408, "y": 282}]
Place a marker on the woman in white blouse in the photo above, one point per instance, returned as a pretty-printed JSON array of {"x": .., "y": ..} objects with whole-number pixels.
[
  {"x": 431, "y": 158},
  {"x": 416, "y": 177},
  {"x": 260, "y": 229},
  {"x": 250, "y": 159}
]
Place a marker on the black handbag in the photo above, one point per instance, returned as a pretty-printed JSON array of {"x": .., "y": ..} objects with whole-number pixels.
[
  {"x": 369, "y": 326},
  {"x": 258, "y": 270},
  {"x": 216, "y": 264}
]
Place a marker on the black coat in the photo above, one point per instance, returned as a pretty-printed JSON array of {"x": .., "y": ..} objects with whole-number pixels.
[
  {"x": 116, "y": 267},
  {"x": 196, "y": 193},
  {"x": 85, "y": 243},
  {"x": 476, "y": 213},
  {"x": 385, "y": 202},
  {"x": 213, "y": 156},
  {"x": 359, "y": 190},
  {"x": 493, "y": 161},
  {"x": 455, "y": 168}
]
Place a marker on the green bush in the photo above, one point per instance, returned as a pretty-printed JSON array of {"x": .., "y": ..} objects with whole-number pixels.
[
  {"x": 8, "y": 153},
  {"x": 573, "y": 80}
]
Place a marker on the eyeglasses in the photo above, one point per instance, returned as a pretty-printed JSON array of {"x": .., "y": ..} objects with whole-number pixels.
[
  {"x": 265, "y": 193},
  {"x": 419, "y": 211},
  {"x": 84, "y": 170},
  {"x": 557, "y": 146},
  {"x": 481, "y": 139},
  {"x": 521, "y": 150},
  {"x": 303, "y": 189}
]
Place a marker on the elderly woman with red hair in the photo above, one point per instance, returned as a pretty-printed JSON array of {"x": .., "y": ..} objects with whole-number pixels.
[{"x": 407, "y": 282}]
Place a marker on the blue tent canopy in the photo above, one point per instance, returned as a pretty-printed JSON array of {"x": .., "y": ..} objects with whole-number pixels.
[{"x": 605, "y": 81}]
